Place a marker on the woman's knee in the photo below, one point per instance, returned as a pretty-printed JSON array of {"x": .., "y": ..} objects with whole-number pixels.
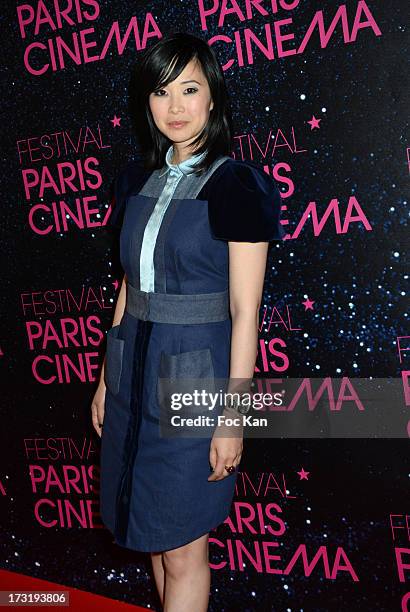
[{"x": 188, "y": 558}]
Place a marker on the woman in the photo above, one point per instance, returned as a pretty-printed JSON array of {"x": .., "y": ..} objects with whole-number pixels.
[{"x": 195, "y": 227}]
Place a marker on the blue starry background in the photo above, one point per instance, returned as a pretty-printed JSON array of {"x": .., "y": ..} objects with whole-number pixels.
[{"x": 358, "y": 282}]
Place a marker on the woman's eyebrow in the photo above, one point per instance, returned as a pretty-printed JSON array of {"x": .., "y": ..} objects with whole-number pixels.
[{"x": 190, "y": 81}]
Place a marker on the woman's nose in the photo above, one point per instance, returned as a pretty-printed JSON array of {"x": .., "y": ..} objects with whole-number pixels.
[{"x": 176, "y": 104}]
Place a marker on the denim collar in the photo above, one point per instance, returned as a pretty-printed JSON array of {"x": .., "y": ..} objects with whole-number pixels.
[{"x": 184, "y": 167}]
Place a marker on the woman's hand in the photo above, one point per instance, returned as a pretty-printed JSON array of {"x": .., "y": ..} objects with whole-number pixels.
[
  {"x": 224, "y": 451},
  {"x": 97, "y": 408}
]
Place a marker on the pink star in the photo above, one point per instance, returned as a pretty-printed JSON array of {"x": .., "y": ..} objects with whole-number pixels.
[
  {"x": 116, "y": 121},
  {"x": 115, "y": 283},
  {"x": 308, "y": 304},
  {"x": 303, "y": 475},
  {"x": 314, "y": 123}
]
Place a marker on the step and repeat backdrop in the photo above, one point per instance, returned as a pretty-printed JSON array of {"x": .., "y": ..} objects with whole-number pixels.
[{"x": 319, "y": 94}]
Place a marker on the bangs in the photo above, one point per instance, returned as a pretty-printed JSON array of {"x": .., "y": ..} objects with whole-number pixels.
[{"x": 171, "y": 67}]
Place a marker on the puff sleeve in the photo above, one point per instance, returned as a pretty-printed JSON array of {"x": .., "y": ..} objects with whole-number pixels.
[
  {"x": 130, "y": 179},
  {"x": 244, "y": 204}
]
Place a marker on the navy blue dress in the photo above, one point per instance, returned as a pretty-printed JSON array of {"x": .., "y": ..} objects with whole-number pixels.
[{"x": 154, "y": 490}]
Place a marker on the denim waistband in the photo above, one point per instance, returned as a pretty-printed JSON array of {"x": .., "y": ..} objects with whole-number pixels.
[{"x": 177, "y": 308}]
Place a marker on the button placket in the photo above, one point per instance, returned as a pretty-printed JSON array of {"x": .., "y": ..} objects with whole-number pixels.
[{"x": 175, "y": 173}]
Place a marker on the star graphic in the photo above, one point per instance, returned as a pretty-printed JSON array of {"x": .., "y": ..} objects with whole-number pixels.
[
  {"x": 115, "y": 283},
  {"x": 116, "y": 121},
  {"x": 314, "y": 123},
  {"x": 303, "y": 475},
  {"x": 308, "y": 304}
]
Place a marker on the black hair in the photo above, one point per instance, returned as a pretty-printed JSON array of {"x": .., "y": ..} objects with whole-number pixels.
[{"x": 152, "y": 71}]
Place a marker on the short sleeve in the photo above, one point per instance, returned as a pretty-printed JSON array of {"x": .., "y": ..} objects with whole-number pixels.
[
  {"x": 244, "y": 204},
  {"x": 130, "y": 179}
]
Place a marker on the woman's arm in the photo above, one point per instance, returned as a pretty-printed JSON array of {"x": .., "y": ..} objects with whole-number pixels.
[
  {"x": 98, "y": 401},
  {"x": 247, "y": 266},
  {"x": 121, "y": 301},
  {"x": 118, "y": 314}
]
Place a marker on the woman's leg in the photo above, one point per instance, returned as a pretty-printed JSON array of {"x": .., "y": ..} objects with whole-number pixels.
[
  {"x": 159, "y": 573},
  {"x": 187, "y": 577}
]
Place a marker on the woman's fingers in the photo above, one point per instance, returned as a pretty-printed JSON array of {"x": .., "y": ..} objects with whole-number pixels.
[
  {"x": 237, "y": 459},
  {"x": 95, "y": 420},
  {"x": 97, "y": 410},
  {"x": 223, "y": 453},
  {"x": 220, "y": 472},
  {"x": 212, "y": 457}
]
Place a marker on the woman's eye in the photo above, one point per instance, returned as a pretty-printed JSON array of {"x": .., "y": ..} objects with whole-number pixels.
[{"x": 159, "y": 92}]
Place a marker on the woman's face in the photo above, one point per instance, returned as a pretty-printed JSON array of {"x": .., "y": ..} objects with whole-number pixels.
[{"x": 181, "y": 108}]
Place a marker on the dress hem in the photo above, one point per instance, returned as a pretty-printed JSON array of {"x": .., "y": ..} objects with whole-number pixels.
[{"x": 173, "y": 544}]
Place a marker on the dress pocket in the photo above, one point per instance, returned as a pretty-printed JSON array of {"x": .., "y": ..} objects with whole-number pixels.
[
  {"x": 185, "y": 373},
  {"x": 191, "y": 364},
  {"x": 113, "y": 360}
]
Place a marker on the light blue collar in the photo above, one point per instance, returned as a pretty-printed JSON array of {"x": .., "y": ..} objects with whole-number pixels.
[{"x": 184, "y": 167}]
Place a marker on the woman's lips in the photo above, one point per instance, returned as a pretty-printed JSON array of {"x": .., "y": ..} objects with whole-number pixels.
[{"x": 177, "y": 124}]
